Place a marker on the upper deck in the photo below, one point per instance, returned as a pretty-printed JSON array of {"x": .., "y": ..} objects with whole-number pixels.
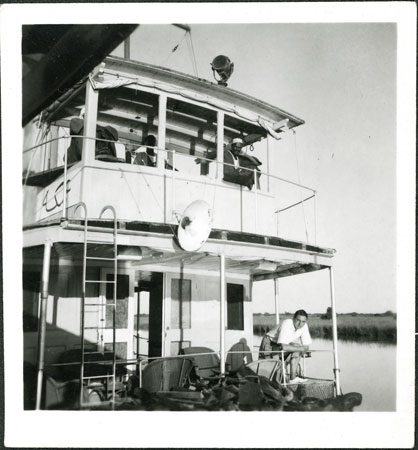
[{"x": 194, "y": 122}]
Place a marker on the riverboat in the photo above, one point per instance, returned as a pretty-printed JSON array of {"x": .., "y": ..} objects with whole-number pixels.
[{"x": 142, "y": 243}]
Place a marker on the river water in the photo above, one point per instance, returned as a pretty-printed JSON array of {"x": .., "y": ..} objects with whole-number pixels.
[{"x": 367, "y": 368}]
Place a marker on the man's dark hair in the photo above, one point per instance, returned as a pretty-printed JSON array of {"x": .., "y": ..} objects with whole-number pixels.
[{"x": 300, "y": 312}]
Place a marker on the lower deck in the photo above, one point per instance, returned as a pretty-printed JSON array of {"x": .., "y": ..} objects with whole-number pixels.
[{"x": 164, "y": 301}]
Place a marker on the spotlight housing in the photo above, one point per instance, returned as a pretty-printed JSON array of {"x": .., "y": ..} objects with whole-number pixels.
[{"x": 224, "y": 67}]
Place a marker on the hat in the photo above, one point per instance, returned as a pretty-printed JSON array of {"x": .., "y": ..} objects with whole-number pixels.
[{"x": 237, "y": 141}]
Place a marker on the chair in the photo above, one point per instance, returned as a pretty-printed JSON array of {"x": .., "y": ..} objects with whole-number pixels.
[
  {"x": 272, "y": 368},
  {"x": 206, "y": 359},
  {"x": 61, "y": 394},
  {"x": 235, "y": 360},
  {"x": 166, "y": 374}
]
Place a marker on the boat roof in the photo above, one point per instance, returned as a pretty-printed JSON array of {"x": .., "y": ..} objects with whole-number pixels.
[
  {"x": 203, "y": 87},
  {"x": 262, "y": 257}
]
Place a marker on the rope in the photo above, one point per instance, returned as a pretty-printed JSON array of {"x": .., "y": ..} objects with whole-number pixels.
[
  {"x": 157, "y": 202},
  {"x": 300, "y": 192},
  {"x": 29, "y": 166},
  {"x": 295, "y": 204},
  {"x": 174, "y": 49},
  {"x": 192, "y": 53},
  {"x": 213, "y": 201},
  {"x": 130, "y": 190}
]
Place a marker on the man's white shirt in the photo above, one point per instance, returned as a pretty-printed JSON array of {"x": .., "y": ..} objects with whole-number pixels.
[{"x": 285, "y": 333}]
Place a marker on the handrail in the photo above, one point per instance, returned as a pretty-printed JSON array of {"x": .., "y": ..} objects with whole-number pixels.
[
  {"x": 256, "y": 174},
  {"x": 161, "y": 149},
  {"x": 46, "y": 142},
  {"x": 144, "y": 360}
]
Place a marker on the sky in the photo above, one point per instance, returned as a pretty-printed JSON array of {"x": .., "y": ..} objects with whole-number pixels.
[{"x": 341, "y": 79}]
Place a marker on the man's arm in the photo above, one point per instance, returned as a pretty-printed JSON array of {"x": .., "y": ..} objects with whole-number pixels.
[
  {"x": 285, "y": 339},
  {"x": 294, "y": 347}
]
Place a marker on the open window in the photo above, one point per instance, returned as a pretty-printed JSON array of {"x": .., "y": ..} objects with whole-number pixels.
[{"x": 190, "y": 136}]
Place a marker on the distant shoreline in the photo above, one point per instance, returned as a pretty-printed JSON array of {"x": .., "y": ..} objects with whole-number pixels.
[{"x": 351, "y": 327}]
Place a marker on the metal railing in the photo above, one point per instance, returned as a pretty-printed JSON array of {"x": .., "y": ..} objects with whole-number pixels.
[{"x": 173, "y": 161}]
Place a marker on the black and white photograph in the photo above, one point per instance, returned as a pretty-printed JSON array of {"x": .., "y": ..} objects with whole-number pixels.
[{"x": 215, "y": 241}]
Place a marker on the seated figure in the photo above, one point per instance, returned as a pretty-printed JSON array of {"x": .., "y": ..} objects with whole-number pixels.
[
  {"x": 240, "y": 166},
  {"x": 105, "y": 150},
  {"x": 145, "y": 155}
]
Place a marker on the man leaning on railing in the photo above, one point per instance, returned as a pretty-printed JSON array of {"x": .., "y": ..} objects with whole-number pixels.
[{"x": 292, "y": 336}]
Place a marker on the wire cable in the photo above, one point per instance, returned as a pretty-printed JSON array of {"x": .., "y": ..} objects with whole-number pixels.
[
  {"x": 130, "y": 190},
  {"x": 300, "y": 192},
  {"x": 174, "y": 49},
  {"x": 192, "y": 53}
]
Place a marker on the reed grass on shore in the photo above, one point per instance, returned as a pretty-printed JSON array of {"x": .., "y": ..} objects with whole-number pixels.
[{"x": 352, "y": 327}]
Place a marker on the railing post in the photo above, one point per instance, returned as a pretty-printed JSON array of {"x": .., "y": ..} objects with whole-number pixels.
[
  {"x": 334, "y": 333},
  {"x": 140, "y": 373},
  {"x": 42, "y": 319},
  {"x": 276, "y": 299}
]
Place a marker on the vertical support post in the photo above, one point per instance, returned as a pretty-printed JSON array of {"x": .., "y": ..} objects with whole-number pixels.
[
  {"x": 283, "y": 368},
  {"x": 334, "y": 333},
  {"x": 42, "y": 325},
  {"x": 53, "y": 146},
  {"x": 222, "y": 312},
  {"x": 83, "y": 306},
  {"x": 220, "y": 145},
  {"x": 162, "y": 121},
  {"x": 127, "y": 48},
  {"x": 115, "y": 296},
  {"x": 138, "y": 333},
  {"x": 276, "y": 299},
  {"x": 90, "y": 122},
  {"x": 64, "y": 193},
  {"x": 256, "y": 198}
]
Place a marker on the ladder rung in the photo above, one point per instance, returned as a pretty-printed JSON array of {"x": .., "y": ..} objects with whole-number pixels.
[
  {"x": 100, "y": 281},
  {"x": 100, "y": 259},
  {"x": 99, "y": 242}
]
